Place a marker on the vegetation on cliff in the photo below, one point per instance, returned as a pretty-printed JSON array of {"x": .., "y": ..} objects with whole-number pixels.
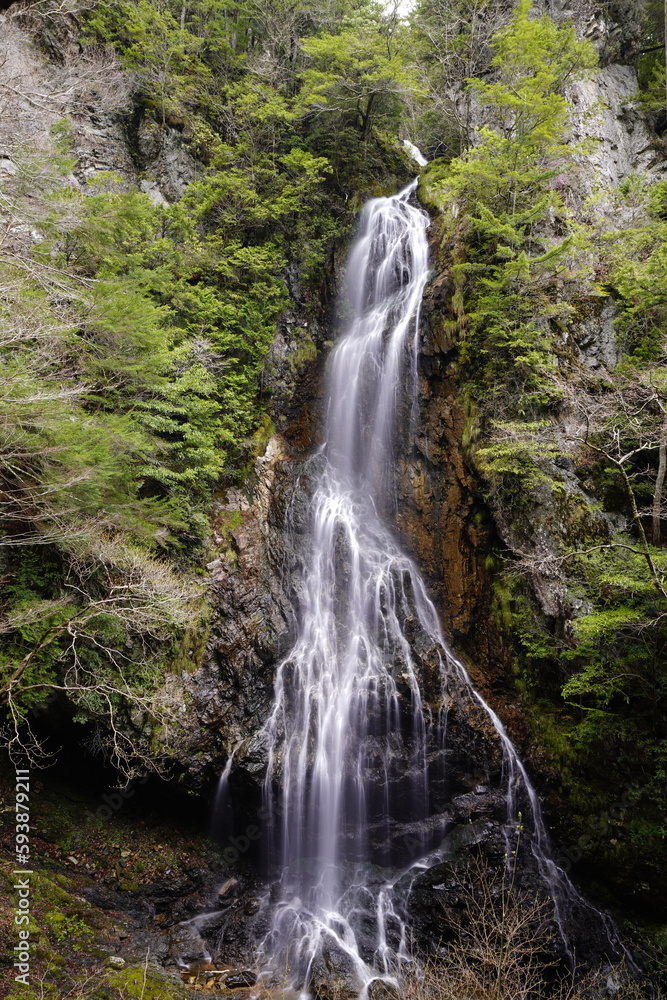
[
  {"x": 572, "y": 454},
  {"x": 136, "y": 335}
]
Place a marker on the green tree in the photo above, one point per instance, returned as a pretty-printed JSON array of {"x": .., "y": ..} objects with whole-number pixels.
[
  {"x": 163, "y": 56},
  {"x": 356, "y": 75},
  {"x": 135, "y": 337},
  {"x": 496, "y": 200},
  {"x": 522, "y": 145}
]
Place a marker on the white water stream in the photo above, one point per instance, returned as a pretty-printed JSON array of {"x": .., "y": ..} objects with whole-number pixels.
[{"x": 347, "y": 759}]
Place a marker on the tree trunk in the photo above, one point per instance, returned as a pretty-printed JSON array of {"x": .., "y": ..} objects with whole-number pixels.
[
  {"x": 656, "y": 579},
  {"x": 660, "y": 481},
  {"x": 366, "y": 116}
]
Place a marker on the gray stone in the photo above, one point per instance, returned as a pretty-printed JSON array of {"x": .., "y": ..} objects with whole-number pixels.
[
  {"x": 606, "y": 117},
  {"x": 229, "y": 888},
  {"x": 186, "y": 944},
  {"x": 168, "y": 163},
  {"x": 153, "y": 191},
  {"x": 381, "y": 990}
]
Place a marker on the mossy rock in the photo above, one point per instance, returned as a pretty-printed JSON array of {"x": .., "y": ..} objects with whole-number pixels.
[
  {"x": 146, "y": 983},
  {"x": 136, "y": 981}
]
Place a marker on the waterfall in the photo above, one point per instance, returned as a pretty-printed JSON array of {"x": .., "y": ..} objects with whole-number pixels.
[
  {"x": 353, "y": 746},
  {"x": 222, "y": 818}
]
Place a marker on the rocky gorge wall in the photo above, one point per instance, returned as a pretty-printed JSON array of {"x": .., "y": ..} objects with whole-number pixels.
[
  {"x": 441, "y": 513},
  {"x": 444, "y": 516}
]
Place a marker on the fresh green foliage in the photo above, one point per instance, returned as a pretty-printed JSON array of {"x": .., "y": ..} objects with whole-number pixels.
[
  {"x": 517, "y": 452},
  {"x": 134, "y": 354},
  {"x": 534, "y": 60},
  {"x": 522, "y": 147},
  {"x": 356, "y": 76},
  {"x": 512, "y": 273}
]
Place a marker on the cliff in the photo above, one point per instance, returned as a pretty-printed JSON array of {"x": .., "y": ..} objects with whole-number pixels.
[{"x": 512, "y": 477}]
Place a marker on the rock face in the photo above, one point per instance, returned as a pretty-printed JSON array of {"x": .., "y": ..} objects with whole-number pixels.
[
  {"x": 87, "y": 92},
  {"x": 233, "y": 690},
  {"x": 251, "y": 579},
  {"x": 609, "y": 121},
  {"x": 440, "y": 516}
]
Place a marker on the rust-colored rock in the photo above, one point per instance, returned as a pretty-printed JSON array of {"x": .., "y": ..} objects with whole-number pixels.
[{"x": 440, "y": 517}]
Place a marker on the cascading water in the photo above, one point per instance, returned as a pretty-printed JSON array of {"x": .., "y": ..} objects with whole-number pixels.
[
  {"x": 337, "y": 739},
  {"x": 353, "y": 746}
]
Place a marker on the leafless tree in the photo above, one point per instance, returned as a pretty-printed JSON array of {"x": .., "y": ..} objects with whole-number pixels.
[
  {"x": 50, "y": 9},
  {"x": 455, "y": 39},
  {"x": 623, "y": 423},
  {"x": 277, "y": 29},
  {"x": 115, "y": 594},
  {"x": 499, "y": 947}
]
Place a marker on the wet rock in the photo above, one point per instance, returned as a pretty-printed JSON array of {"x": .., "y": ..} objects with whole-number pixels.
[
  {"x": 276, "y": 892},
  {"x": 205, "y": 969},
  {"x": 228, "y": 890},
  {"x": 333, "y": 975},
  {"x": 186, "y": 945},
  {"x": 244, "y": 978},
  {"x": 439, "y": 510},
  {"x": 233, "y": 690},
  {"x": 232, "y": 938},
  {"x": 380, "y": 990}
]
